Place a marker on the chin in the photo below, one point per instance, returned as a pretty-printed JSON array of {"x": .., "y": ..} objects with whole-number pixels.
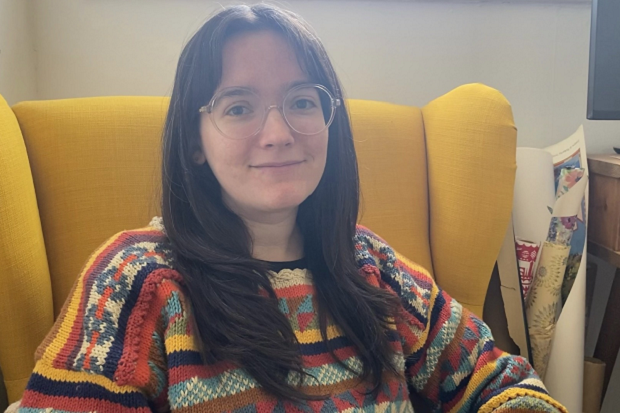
[
  {"x": 280, "y": 206},
  {"x": 283, "y": 201}
]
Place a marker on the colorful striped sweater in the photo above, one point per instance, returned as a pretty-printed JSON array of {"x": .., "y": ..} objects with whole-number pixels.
[{"x": 124, "y": 342}]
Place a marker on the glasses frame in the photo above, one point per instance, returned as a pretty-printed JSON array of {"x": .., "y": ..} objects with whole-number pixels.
[{"x": 335, "y": 103}]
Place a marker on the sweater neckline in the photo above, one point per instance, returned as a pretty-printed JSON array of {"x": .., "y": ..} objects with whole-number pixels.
[{"x": 278, "y": 266}]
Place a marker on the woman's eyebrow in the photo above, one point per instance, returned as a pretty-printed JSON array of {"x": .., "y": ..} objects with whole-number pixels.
[
  {"x": 237, "y": 91},
  {"x": 295, "y": 83},
  {"x": 245, "y": 90}
]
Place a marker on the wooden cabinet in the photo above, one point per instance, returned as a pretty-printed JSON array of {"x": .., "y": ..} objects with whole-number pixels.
[{"x": 604, "y": 214}]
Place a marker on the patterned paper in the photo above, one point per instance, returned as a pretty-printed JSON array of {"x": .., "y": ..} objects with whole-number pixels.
[
  {"x": 567, "y": 179},
  {"x": 561, "y": 229},
  {"x": 570, "y": 275},
  {"x": 543, "y": 300},
  {"x": 527, "y": 253}
]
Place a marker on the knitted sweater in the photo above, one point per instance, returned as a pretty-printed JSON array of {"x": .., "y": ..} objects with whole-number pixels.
[{"x": 125, "y": 342}]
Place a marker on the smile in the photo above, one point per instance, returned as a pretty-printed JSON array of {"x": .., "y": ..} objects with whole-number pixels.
[{"x": 278, "y": 165}]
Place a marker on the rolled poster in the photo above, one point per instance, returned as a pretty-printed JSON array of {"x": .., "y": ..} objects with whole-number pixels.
[{"x": 527, "y": 254}]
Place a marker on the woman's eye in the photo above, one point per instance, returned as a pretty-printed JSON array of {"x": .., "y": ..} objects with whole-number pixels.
[
  {"x": 238, "y": 111},
  {"x": 303, "y": 104}
]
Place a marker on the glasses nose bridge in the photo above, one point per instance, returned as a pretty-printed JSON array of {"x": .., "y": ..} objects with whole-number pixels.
[{"x": 280, "y": 109}]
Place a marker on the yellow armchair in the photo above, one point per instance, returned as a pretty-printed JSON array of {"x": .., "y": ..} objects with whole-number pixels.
[{"x": 437, "y": 184}]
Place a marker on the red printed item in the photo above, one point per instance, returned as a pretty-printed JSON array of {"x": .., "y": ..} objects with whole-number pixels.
[{"x": 527, "y": 254}]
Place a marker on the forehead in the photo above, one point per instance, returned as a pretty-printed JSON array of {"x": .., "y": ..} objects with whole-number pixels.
[{"x": 261, "y": 60}]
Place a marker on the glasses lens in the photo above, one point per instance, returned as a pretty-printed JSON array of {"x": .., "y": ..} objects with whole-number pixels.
[
  {"x": 238, "y": 113},
  {"x": 308, "y": 109}
]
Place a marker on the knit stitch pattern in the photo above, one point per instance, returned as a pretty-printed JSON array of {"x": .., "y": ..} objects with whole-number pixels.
[{"x": 125, "y": 342}]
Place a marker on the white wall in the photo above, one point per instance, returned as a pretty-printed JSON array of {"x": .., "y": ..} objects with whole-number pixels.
[
  {"x": 402, "y": 52},
  {"x": 17, "y": 55}
]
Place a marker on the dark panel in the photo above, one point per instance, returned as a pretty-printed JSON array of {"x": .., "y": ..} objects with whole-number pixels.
[{"x": 604, "y": 76}]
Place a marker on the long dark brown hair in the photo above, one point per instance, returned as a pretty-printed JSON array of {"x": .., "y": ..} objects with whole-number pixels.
[{"x": 233, "y": 302}]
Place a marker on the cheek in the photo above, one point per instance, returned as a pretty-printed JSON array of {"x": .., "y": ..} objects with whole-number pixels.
[
  {"x": 225, "y": 157},
  {"x": 217, "y": 148},
  {"x": 318, "y": 149}
]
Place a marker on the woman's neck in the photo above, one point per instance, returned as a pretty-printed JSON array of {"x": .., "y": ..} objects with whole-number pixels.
[
  {"x": 275, "y": 238},
  {"x": 270, "y": 245}
]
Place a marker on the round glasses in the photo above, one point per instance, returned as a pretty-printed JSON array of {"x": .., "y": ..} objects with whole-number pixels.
[{"x": 239, "y": 113}]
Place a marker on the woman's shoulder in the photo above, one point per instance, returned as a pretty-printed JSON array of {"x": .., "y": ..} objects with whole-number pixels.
[
  {"x": 111, "y": 305},
  {"x": 371, "y": 249},
  {"x": 387, "y": 269},
  {"x": 128, "y": 259}
]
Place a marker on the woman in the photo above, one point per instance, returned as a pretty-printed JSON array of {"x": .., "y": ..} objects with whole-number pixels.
[{"x": 257, "y": 292}]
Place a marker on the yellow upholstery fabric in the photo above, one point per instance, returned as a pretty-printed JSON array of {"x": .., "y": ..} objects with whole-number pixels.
[
  {"x": 95, "y": 164},
  {"x": 436, "y": 184},
  {"x": 389, "y": 143},
  {"x": 25, "y": 293},
  {"x": 471, "y": 151}
]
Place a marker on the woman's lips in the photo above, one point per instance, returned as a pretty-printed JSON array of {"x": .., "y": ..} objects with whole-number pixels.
[
  {"x": 283, "y": 169},
  {"x": 277, "y": 164}
]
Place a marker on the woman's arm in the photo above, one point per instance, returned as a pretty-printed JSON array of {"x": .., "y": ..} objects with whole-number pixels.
[{"x": 451, "y": 358}]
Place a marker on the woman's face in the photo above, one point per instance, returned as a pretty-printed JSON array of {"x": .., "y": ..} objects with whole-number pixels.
[{"x": 263, "y": 62}]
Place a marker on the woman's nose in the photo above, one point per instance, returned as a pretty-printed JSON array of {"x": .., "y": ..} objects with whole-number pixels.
[{"x": 276, "y": 130}]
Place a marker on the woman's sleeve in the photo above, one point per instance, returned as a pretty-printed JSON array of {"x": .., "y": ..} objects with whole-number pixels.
[
  {"x": 105, "y": 352},
  {"x": 450, "y": 356}
]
